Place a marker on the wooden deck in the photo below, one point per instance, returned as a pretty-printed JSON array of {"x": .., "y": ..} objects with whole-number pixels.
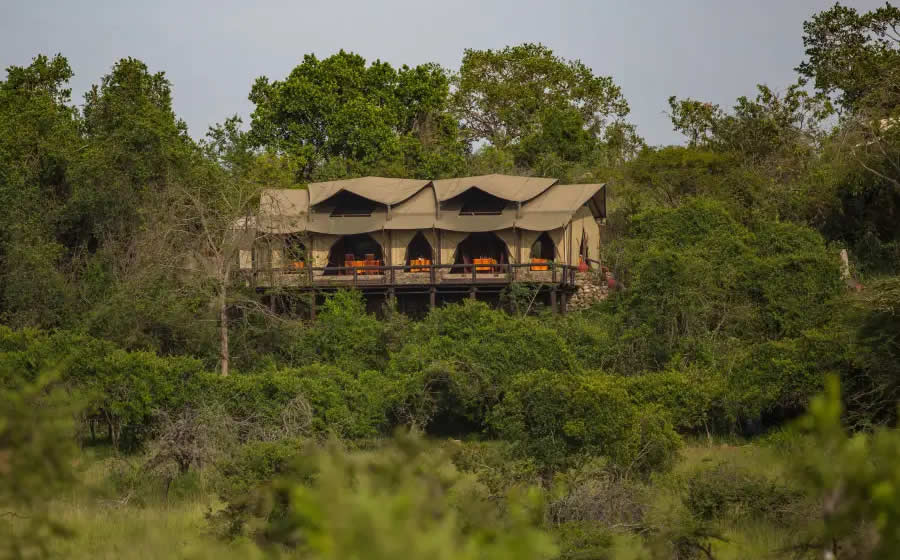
[{"x": 440, "y": 282}]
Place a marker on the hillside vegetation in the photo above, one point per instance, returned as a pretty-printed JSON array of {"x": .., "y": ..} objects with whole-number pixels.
[{"x": 736, "y": 397}]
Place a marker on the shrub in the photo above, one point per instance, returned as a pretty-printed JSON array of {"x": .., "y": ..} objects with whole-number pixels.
[
  {"x": 343, "y": 334},
  {"x": 725, "y": 489},
  {"x": 37, "y": 452},
  {"x": 466, "y": 355},
  {"x": 405, "y": 499},
  {"x": 494, "y": 464},
  {"x": 253, "y": 464},
  {"x": 556, "y": 418},
  {"x": 313, "y": 399},
  {"x": 593, "y": 493},
  {"x": 694, "y": 399}
]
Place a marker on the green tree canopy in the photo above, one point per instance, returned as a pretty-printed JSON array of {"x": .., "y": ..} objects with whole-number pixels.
[
  {"x": 38, "y": 137},
  {"x": 339, "y": 116},
  {"x": 848, "y": 53},
  {"x": 548, "y": 110}
]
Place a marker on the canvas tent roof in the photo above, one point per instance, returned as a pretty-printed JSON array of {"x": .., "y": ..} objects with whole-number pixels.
[
  {"x": 288, "y": 210},
  {"x": 507, "y": 187},
  {"x": 385, "y": 190},
  {"x": 554, "y": 207}
]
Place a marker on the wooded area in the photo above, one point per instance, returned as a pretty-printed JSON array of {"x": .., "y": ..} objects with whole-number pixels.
[{"x": 735, "y": 397}]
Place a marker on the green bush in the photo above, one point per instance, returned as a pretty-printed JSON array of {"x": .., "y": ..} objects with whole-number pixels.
[
  {"x": 121, "y": 389},
  {"x": 405, "y": 499},
  {"x": 557, "y": 418},
  {"x": 343, "y": 334},
  {"x": 729, "y": 490},
  {"x": 694, "y": 398},
  {"x": 311, "y": 399},
  {"x": 466, "y": 355},
  {"x": 796, "y": 277},
  {"x": 255, "y": 463}
]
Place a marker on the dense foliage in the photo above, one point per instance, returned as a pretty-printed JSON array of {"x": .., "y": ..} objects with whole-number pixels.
[{"x": 472, "y": 432}]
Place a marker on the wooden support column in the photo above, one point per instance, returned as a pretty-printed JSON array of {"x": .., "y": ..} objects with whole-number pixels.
[
  {"x": 563, "y": 301},
  {"x": 389, "y": 254},
  {"x": 472, "y": 291},
  {"x": 432, "y": 298},
  {"x": 312, "y": 305},
  {"x": 553, "y": 306},
  {"x": 440, "y": 244},
  {"x": 519, "y": 259}
]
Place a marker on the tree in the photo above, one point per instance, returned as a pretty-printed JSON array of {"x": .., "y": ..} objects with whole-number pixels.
[
  {"x": 527, "y": 99},
  {"x": 758, "y": 128},
  {"x": 339, "y": 116},
  {"x": 217, "y": 211},
  {"x": 135, "y": 147},
  {"x": 847, "y": 52},
  {"x": 38, "y": 138}
]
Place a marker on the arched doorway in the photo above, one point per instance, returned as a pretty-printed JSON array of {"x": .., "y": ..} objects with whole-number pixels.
[
  {"x": 481, "y": 246},
  {"x": 543, "y": 248},
  {"x": 419, "y": 252},
  {"x": 543, "y": 252},
  {"x": 357, "y": 247}
]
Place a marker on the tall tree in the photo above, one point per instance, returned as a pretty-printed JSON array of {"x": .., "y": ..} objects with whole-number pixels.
[
  {"x": 135, "y": 146},
  {"x": 38, "y": 137},
  {"x": 339, "y": 116},
  {"x": 527, "y": 99},
  {"x": 847, "y": 52}
]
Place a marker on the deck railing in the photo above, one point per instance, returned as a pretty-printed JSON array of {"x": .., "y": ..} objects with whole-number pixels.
[{"x": 561, "y": 274}]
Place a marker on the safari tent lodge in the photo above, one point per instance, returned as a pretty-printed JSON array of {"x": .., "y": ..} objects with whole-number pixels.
[{"x": 426, "y": 242}]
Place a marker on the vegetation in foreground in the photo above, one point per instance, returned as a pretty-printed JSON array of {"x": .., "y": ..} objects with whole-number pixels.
[{"x": 695, "y": 414}]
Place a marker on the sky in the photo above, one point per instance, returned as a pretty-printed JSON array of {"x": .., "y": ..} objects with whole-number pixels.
[{"x": 714, "y": 50}]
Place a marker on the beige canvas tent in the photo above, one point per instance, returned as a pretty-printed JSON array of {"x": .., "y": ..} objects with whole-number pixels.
[{"x": 511, "y": 218}]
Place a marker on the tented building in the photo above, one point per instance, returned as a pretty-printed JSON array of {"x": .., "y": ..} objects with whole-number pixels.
[{"x": 387, "y": 233}]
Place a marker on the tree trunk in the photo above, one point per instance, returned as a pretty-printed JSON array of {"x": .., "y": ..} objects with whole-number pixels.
[{"x": 223, "y": 330}]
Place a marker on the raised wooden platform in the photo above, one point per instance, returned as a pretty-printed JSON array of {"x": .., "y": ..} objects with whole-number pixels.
[{"x": 441, "y": 283}]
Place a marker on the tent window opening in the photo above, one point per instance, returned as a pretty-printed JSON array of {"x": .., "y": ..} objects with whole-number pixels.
[
  {"x": 419, "y": 251},
  {"x": 361, "y": 250},
  {"x": 487, "y": 251},
  {"x": 543, "y": 248},
  {"x": 476, "y": 202},
  {"x": 350, "y": 205}
]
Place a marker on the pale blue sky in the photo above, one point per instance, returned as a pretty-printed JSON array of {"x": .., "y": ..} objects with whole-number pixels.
[{"x": 212, "y": 51}]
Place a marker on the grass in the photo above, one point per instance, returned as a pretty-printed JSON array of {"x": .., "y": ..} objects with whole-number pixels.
[{"x": 155, "y": 523}]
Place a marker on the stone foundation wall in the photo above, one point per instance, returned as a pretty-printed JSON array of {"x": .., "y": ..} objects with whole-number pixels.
[{"x": 592, "y": 287}]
